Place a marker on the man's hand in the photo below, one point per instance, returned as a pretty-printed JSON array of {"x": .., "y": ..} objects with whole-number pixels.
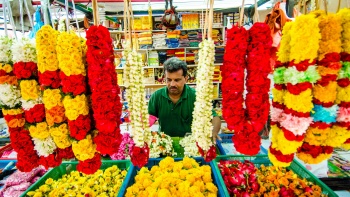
[{"x": 216, "y": 128}]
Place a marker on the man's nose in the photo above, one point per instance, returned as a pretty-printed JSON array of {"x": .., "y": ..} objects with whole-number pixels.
[{"x": 172, "y": 83}]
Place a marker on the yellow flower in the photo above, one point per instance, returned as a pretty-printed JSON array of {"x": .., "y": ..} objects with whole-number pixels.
[
  {"x": 299, "y": 103},
  {"x": 47, "y": 59},
  {"x": 280, "y": 143},
  {"x": 75, "y": 106},
  {"x": 211, "y": 187},
  {"x": 275, "y": 161},
  {"x": 6, "y": 67},
  {"x": 325, "y": 94},
  {"x": 40, "y": 130},
  {"x": 310, "y": 160},
  {"x": 284, "y": 50},
  {"x": 60, "y": 136},
  {"x": 12, "y": 112},
  {"x": 343, "y": 94},
  {"x": 29, "y": 89},
  {"x": 337, "y": 136},
  {"x": 316, "y": 136},
  {"x": 52, "y": 98},
  {"x": 346, "y": 146},
  {"x": 84, "y": 149},
  {"x": 345, "y": 20},
  {"x": 166, "y": 163},
  {"x": 278, "y": 95}
]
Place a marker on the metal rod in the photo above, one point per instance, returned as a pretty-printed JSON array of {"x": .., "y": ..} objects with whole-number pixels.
[
  {"x": 241, "y": 15},
  {"x": 5, "y": 17},
  {"x": 67, "y": 14},
  {"x": 21, "y": 15},
  {"x": 29, "y": 15},
  {"x": 210, "y": 28},
  {"x": 76, "y": 17},
  {"x": 11, "y": 18}
]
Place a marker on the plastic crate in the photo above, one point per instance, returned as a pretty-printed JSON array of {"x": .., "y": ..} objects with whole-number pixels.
[
  {"x": 8, "y": 147},
  {"x": 227, "y": 139},
  {"x": 152, "y": 163},
  {"x": 258, "y": 160},
  {"x": 67, "y": 167}
]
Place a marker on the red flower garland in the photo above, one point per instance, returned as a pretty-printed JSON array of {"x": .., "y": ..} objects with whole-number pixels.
[
  {"x": 35, "y": 114},
  {"x": 50, "y": 161},
  {"x": 74, "y": 84},
  {"x": 102, "y": 79},
  {"x": 79, "y": 127},
  {"x": 247, "y": 123},
  {"x": 25, "y": 70},
  {"x": 108, "y": 143},
  {"x": 313, "y": 150},
  {"x": 66, "y": 153},
  {"x": 140, "y": 156},
  {"x": 90, "y": 166},
  {"x": 49, "y": 79}
]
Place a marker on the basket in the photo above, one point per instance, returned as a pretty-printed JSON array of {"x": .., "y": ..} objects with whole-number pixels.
[
  {"x": 152, "y": 163},
  {"x": 258, "y": 160},
  {"x": 227, "y": 139},
  {"x": 67, "y": 167}
]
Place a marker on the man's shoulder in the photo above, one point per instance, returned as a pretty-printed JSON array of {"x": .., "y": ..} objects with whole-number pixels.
[
  {"x": 191, "y": 90},
  {"x": 159, "y": 92}
]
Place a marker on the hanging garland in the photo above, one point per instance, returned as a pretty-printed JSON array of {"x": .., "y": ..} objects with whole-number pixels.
[
  {"x": 105, "y": 99},
  {"x": 294, "y": 77},
  {"x": 343, "y": 81},
  {"x": 246, "y": 123}
]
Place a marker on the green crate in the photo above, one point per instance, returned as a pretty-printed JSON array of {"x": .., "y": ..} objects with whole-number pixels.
[
  {"x": 258, "y": 160},
  {"x": 68, "y": 166}
]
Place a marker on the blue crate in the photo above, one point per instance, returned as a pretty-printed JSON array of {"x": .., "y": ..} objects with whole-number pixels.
[
  {"x": 227, "y": 139},
  {"x": 3, "y": 163},
  {"x": 154, "y": 162}
]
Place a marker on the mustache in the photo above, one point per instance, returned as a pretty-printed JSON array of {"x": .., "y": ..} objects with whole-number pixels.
[{"x": 173, "y": 87}]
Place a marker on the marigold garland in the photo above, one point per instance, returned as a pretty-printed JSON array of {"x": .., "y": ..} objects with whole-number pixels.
[
  {"x": 39, "y": 130},
  {"x": 84, "y": 149},
  {"x": 46, "y": 41},
  {"x": 314, "y": 154},
  {"x": 280, "y": 142},
  {"x": 60, "y": 136}
]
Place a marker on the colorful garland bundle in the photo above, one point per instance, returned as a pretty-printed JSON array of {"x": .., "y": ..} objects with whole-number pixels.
[
  {"x": 324, "y": 113},
  {"x": 246, "y": 123},
  {"x": 138, "y": 108},
  {"x": 201, "y": 125},
  {"x": 343, "y": 82},
  {"x": 105, "y": 99},
  {"x": 294, "y": 75}
]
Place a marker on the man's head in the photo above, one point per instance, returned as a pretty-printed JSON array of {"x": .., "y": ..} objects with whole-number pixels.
[{"x": 175, "y": 75}]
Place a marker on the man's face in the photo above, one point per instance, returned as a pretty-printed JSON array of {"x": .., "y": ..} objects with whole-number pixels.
[{"x": 175, "y": 82}]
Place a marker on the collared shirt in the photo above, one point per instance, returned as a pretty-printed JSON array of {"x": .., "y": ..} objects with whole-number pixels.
[{"x": 174, "y": 119}]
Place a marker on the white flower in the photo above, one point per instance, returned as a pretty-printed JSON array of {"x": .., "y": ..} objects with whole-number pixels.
[
  {"x": 23, "y": 50},
  {"x": 190, "y": 147},
  {"x": 5, "y": 49},
  {"x": 44, "y": 147},
  {"x": 201, "y": 124},
  {"x": 161, "y": 144},
  {"x": 29, "y": 104},
  {"x": 9, "y": 95}
]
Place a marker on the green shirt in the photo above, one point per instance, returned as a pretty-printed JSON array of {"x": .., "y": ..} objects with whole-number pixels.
[{"x": 174, "y": 119}]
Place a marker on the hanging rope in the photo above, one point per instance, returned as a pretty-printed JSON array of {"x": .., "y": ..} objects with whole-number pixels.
[
  {"x": 339, "y": 3},
  {"x": 76, "y": 18},
  {"x": 241, "y": 15},
  {"x": 29, "y": 15},
  {"x": 5, "y": 17},
  {"x": 21, "y": 15},
  {"x": 210, "y": 19},
  {"x": 67, "y": 20},
  {"x": 325, "y": 6},
  {"x": 95, "y": 11},
  {"x": 256, "y": 13},
  {"x": 10, "y": 17}
]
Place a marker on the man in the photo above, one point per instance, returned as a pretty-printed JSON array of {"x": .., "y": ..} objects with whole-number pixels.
[{"x": 173, "y": 105}]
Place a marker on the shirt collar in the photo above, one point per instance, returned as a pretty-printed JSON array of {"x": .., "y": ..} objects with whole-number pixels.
[{"x": 184, "y": 94}]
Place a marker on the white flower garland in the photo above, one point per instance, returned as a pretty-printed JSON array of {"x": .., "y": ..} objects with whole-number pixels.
[
  {"x": 5, "y": 49},
  {"x": 10, "y": 95},
  {"x": 136, "y": 97},
  {"x": 190, "y": 147},
  {"x": 23, "y": 50},
  {"x": 202, "y": 114},
  {"x": 44, "y": 147},
  {"x": 29, "y": 104},
  {"x": 161, "y": 145}
]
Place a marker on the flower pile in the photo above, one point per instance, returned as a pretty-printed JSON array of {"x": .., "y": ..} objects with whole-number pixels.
[
  {"x": 102, "y": 183},
  {"x": 102, "y": 79},
  {"x": 184, "y": 178},
  {"x": 160, "y": 145},
  {"x": 125, "y": 148},
  {"x": 138, "y": 108},
  {"x": 343, "y": 81},
  {"x": 189, "y": 145},
  {"x": 246, "y": 51},
  {"x": 202, "y": 127},
  {"x": 240, "y": 178},
  {"x": 294, "y": 75}
]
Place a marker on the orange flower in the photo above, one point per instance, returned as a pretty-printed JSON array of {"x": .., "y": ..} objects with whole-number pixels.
[
  {"x": 12, "y": 80},
  {"x": 283, "y": 181},
  {"x": 55, "y": 115},
  {"x": 16, "y": 123}
]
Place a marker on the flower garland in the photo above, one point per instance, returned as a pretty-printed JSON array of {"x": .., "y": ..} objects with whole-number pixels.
[
  {"x": 125, "y": 148},
  {"x": 202, "y": 127},
  {"x": 138, "y": 108},
  {"x": 189, "y": 145},
  {"x": 294, "y": 76},
  {"x": 161, "y": 145},
  {"x": 247, "y": 123},
  {"x": 105, "y": 101},
  {"x": 10, "y": 101},
  {"x": 343, "y": 81}
]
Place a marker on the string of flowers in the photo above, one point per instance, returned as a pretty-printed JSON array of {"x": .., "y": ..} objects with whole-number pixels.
[
  {"x": 299, "y": 75},
  {"x": 324, "y": 113},
  {"x": 138, "y": 108},
  {"x": 202, "y": 127},
  {"x": 105, "y": 101},
  {"x": 55, "y": 126},
  {"x": 10, "y": 102},
  {"x": 125, "y": 148},
  {"x": 343, "y": 81},
  {"x": 189, "y": 145}
]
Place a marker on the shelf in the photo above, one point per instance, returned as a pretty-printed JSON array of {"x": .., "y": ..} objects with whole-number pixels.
[
  {"x": 166, "y": 48},
  {"x": 136, "y": 31},
  {"x": 146, "y": 67},
  {"x": 165, "y": 84}
]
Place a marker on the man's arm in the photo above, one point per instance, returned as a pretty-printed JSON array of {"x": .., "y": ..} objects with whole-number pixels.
[{"x": 216, "y": 128}]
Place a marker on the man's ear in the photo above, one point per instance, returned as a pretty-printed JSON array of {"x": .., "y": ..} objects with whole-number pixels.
[{"x": 186, "y": 78}]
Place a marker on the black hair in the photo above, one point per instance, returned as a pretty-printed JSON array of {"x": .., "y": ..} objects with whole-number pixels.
[{"x": 174, "y": 64}]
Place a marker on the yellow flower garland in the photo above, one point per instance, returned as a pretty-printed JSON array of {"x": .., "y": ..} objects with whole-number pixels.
[
  {"x": 60, "y": 136},
  {"x": 75, "y": 106},
  {"x": 346, "y": 146},
  {"x": 12, "y": 112},
  {"x": 299, "y": 103},
  {"x": 6, "y": 67},
  {"x": 305, "y": 40},
  {"x": 275, "y": 161},
  {"x": 30, "y": 89},
  {"x": 338, "y": 136},
  {"x": 325, "y": 94},
  {"x": 46, "y": 49},
  {"x": 343, "y": 94},
  {"x": 323, "y": 71},
  {"x": 318, "y": 137},
  {"x": 84, "y": 149},
  {"x": 278, "y": 95},
  {"x": 307, "y": 158},
  {"x": 52, "y": 98},
  {"x": 284, "y": 50},
  {"x": 345, "y": 19},
  {"x": 69, "y": 54},
  {"x": 40, "y": 130},
  {"x": 279, "y": 142}
]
